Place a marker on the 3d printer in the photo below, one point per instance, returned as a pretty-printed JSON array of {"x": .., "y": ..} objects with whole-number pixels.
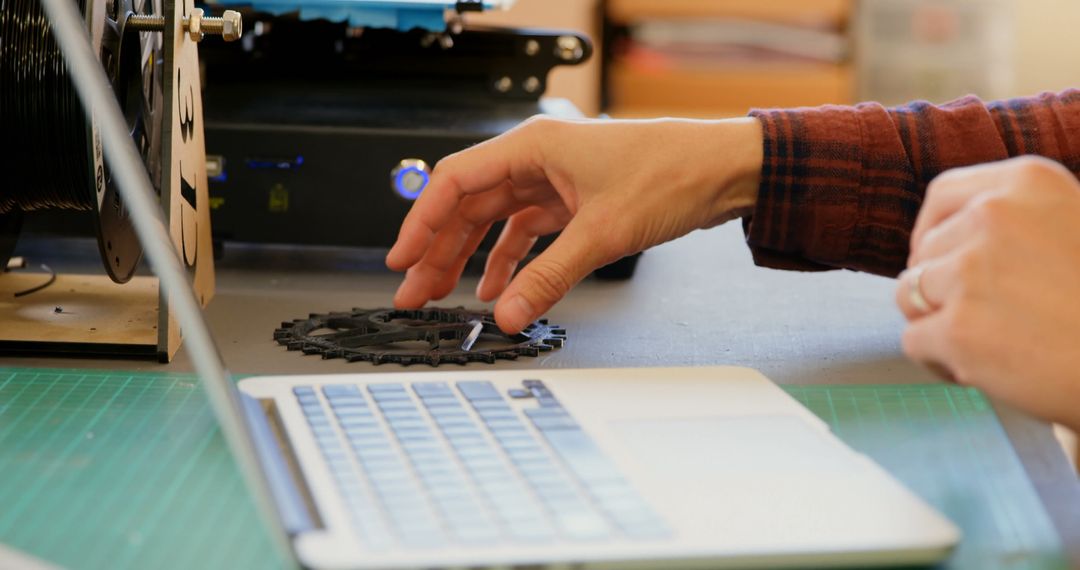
[{"x": 324, "y": 126}]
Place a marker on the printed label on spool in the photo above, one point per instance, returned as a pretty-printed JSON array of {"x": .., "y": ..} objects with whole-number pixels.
[{"x": 99, "y": 162}]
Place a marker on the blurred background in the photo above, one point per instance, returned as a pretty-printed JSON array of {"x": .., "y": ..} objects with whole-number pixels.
[{"x": 715, "y": 58}]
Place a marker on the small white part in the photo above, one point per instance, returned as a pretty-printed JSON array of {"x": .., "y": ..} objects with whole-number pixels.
[{"x": 474, "y": 334}]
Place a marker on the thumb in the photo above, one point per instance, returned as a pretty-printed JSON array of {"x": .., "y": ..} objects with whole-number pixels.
[{"x": 550, "y": 276}]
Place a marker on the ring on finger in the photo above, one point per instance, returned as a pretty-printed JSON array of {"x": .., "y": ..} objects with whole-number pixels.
[{"x": 915, "y": 292}]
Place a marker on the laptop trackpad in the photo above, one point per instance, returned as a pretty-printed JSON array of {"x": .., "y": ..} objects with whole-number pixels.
[{"x": 703, "y": 448}]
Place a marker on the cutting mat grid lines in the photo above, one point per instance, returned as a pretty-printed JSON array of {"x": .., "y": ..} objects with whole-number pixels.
[
  {"x": 946, "y": 444},
  {"x": 118, "y": 470},
  {"x": 112, "y": 470}
]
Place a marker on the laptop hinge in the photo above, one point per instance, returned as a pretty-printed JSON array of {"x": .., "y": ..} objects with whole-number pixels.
[{"x": 294, "y": 510}]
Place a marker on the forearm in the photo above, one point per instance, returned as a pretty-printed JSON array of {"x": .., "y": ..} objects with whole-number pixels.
[{"x": 841, "y": 186}]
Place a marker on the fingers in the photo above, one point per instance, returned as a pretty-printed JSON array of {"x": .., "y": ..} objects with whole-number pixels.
[
  {"x": 923, "y": 289},
  {"x": 487, "y": 166},
  {"x": 449, "y": 280},
  {"x": 517, "y": 239},
  {"x": 436, "y": 275},
  {"x": 925, "y": 343},
  {"x": 940, "y": 240},
  {"x": 947, "y": 194},
  {"x": 549, "y": 277}
]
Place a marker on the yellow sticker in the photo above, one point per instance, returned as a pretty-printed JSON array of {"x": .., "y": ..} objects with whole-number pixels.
[{"x": 279, "y": 199}]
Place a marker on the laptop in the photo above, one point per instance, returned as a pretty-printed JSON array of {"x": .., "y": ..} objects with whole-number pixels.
[
  {"x": 662, "y": 467},
  {"x": 646, "y": 467}
]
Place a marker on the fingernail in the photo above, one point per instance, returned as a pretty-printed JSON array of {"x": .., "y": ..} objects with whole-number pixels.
[
  {"x": 523, "y": 310},
  {"x": 480, "y": 287}
]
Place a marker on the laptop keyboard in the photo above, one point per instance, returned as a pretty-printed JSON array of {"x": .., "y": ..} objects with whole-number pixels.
[{"x": 432, "y": 464}]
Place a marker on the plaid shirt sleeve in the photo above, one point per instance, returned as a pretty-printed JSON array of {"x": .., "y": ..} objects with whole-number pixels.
[{"x": 841, "y": 186}]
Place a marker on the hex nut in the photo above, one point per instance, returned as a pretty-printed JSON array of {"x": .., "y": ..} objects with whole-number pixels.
[
  {"x": 194, "y": 25},
  {"x": 232, "y": 25}
]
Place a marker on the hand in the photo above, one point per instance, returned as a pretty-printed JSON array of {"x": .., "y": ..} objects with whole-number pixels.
[
  {"x": 999, "y": 248},
  {"x": 613, "y": 188}
]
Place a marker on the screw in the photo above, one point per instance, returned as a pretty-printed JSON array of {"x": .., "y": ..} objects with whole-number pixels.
[
  {"x": 230, "y": 26},
  {"x": 532, "y": 47},
  {"x": 531, "y": 85},
  {"x": 569, "y": 48},
  {"x": 504, "y": 84}
]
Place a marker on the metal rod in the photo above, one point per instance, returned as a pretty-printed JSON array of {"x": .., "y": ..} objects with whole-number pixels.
[{"x": 138, "y": 194}]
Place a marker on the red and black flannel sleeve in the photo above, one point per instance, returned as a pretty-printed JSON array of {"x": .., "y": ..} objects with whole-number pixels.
[{"x": 841, "y": 186}]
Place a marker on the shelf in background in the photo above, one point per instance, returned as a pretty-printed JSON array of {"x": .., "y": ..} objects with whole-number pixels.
[
  {"x": 726, "y": 90},
  {"x": 833, "y": 13}
]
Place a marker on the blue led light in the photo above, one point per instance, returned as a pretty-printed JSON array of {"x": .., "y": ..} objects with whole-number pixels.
[
  {"x": 274, "y": 163},
  {"x": 403, "y": 190}
]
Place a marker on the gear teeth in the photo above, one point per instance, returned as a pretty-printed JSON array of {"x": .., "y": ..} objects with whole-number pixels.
[{"x": 361, "y": 329}]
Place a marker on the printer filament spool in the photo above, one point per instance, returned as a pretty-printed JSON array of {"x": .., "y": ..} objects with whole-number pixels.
[{"x": 54, "y": 160}]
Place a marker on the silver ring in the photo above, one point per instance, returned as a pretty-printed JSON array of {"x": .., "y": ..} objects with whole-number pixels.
[{"x": 915, "y": 293}]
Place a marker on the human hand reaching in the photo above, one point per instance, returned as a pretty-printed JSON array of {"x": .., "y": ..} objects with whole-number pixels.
[
  {"x": 995, "y": 254},
  {"x": 613, "y": 188}
]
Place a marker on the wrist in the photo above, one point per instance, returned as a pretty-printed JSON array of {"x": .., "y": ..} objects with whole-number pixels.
[{"x": 737, "y": 170}]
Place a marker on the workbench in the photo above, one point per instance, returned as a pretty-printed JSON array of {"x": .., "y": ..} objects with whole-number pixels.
[{"x": 695, "y": 301}]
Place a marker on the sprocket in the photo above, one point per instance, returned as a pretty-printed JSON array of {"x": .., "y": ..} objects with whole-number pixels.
[{"x": 414, "y": 336}]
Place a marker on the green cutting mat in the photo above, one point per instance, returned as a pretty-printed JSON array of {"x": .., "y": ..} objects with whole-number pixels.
[{"x": 107, "y": 469}]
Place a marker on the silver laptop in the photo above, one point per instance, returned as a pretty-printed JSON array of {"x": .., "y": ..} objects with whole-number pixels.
[
  {"x": 657, "y": 467},
  {"x": 666, "y": 467}
]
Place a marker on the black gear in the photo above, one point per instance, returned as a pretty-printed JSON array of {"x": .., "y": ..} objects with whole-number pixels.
[{"x": 386, "y": 335}]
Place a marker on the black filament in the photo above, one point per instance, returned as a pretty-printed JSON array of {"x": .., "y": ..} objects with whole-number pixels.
[{"x": 47, "y": 153}]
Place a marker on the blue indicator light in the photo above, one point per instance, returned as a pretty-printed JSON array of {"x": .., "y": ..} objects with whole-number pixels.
[
  {"x": 274, "y": 163},
  {"x": 410, "y": 182}
]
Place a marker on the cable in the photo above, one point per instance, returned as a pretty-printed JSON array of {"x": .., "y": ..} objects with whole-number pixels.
[{"x": 36, "y": 288}]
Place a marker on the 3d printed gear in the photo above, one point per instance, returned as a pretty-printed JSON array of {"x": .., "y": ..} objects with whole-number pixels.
[{"x": 394, "y": 335}]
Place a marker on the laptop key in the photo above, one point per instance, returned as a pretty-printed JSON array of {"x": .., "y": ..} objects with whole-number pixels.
[
  {"x": 495, "y": 405},
  {"x": 336, "y": 390},
  {"x": 384, "y": 397},
  {"x": 476, "y": 390},
  {"x": 403, "y": 415},
  {"x": 353, "y": 410},
  {"x": 385, "y": 387},
  {"x": 388, "y": 405},
  {"x": 497, "y": 414},
  {"x": 309, "y": 400},
  {"x": 432, "y": 389}
]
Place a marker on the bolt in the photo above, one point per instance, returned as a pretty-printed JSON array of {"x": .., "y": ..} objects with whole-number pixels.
[
  {"x": 504, "y": 84},
  {"x": 569, "y": 48},
  {"x": 230, "y": 26},
  {"x": 532, "y": 47},
  {"x": 531, "y": 85}
]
